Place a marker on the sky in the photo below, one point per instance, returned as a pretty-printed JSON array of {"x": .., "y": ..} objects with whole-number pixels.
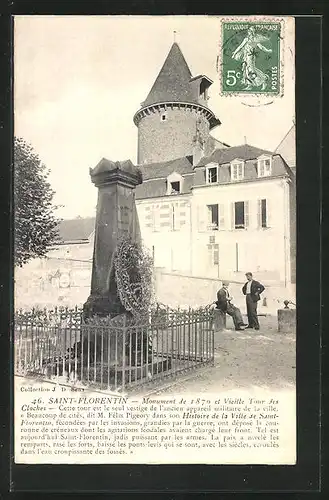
[{"x": 78, "y": 81}]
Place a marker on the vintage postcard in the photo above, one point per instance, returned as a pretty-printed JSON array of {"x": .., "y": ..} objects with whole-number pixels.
[{"x": 155, "y": 247}]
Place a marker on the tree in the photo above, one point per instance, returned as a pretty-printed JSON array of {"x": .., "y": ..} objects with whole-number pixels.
[{"x": 35, "y": 224}]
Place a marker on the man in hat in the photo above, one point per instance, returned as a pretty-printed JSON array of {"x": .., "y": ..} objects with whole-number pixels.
[
  {"x": 252, "y": 290},
  {"x": 224, "y": 303}
]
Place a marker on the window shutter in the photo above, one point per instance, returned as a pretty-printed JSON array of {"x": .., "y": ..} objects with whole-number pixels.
[
  {"x": 156, "y": 218},
  {"x": 232, "y": 215},
  {"x": 201, "y": 218},
  {"x": 216, "y": 255},
  {"x": 148, "y": 217},
  {"x": 246, "y": 214},
  {"x": 181, "y": 215},
  {"x": 165, "y": 217},
  {"x": 268, "y": 213},
  {"x": 221, "y": 216},
  {"x": 259, "y": 214},
  {"x": 207, "y": 217}
]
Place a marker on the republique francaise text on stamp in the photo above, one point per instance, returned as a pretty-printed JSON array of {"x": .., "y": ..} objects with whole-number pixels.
[{"x": 251, "y": 57}]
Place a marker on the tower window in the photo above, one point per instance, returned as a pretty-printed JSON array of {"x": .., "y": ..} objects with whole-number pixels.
[
  {"x": 163, "y": 117},
  {"x": 203, "y": 90},
  {"x": 175, "y": 187}
]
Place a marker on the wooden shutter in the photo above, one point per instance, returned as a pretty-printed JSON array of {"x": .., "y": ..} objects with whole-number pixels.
[
  {"x": 156, "y": 218},
  {"x": 202, "y": 218},
  {"x": 216, "y": 255},
  {"x": 259, "y": 214},
  {"x": 181, "y": 211},
  {"x": 221, "y": 216},
  {"x": 165, "y": 217},
  {"x": 233, "y": 215},
  {"x": 246, "y": 214},
  {"x": 269, "y": 220},
  {"x": 148, "y": 217}
]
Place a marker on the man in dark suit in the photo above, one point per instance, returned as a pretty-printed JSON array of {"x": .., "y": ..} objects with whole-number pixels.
[
  {"x": 252, "y": 290},
  {"x": 224, "y": 303}
]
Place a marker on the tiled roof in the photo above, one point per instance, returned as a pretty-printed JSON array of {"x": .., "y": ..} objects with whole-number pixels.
[
  {"x": 151, "y": 189},
  {"x": 173, "y": 83},
  {"x": 155, "y": 188},
  {"x": 279, "y": 168},
  {"x": 226, "y": 155},
  {"x": 163, "y": 169},
  {"x": 76, "y": 229}
]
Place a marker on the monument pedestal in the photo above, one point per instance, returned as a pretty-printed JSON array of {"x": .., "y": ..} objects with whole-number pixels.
[
  {"x": 286, "y": 320},
  {"x": 219, "y": 320},
  {"x": 116, "y": 218}
]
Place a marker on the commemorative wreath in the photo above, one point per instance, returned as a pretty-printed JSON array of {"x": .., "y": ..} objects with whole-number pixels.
[{"x": 134, "y": 276}]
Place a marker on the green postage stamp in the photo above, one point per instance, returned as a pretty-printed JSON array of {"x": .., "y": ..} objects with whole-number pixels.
[{"x": 251, "y": 57}]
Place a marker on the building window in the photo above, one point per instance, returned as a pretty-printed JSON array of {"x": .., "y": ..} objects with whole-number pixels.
[
  {"x": 175, "y": 183},
  {"x": 175, "y": 187},
  {"x": 203, "y": 92},
  {"x": 212, "y": 175},
  {"x": 163, "y": 117},
  {"x": 262, "y": 213},
  {"x": 240, "y": 215},
  {"x": 213, "y": 219},
  {"x": 264, "y": 167},
  {"x": 237, "y": 171}
]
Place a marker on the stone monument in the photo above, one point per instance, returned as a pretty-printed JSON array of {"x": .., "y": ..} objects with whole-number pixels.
[
  {"x": 116, "y": 217},
  {"x": 287, "y": 318}
]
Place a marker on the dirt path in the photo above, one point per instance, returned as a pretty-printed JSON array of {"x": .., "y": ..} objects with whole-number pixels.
[{"x": 250, "y": 359}]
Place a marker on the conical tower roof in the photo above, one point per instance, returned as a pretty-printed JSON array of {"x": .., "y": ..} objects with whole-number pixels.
[{"x": 173, "y": 83}]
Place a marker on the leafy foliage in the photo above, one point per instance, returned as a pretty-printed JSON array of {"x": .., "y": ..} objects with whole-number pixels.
[{"x": 36, "y": 227}]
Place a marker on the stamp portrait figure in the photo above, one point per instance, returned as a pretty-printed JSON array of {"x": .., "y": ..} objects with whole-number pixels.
[{"x": 247, "y": 53}]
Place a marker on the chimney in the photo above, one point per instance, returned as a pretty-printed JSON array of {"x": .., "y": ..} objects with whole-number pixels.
[{"x": 198, "y": 153}]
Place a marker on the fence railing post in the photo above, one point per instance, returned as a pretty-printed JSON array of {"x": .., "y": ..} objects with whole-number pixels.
[{"x": 123, "y": 354}]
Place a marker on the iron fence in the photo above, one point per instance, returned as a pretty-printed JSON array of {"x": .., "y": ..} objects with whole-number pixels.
[{"x": 115, "y": 354}]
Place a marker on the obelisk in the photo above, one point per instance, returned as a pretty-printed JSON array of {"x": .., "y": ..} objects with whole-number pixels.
[{"x": 116, "y": 217}]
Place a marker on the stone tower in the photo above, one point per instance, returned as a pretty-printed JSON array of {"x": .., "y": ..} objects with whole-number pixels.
[{"x": 174, "y": 120}]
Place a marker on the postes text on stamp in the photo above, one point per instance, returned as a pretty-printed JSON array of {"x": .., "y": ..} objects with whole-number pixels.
[{"x": 250, "y": 57}]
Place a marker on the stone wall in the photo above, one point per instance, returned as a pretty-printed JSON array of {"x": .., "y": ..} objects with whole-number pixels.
[
  {"x": 162, "y": 140},
  {"x": 61, "y": 279},
  {"x": 175, "y": 289}
]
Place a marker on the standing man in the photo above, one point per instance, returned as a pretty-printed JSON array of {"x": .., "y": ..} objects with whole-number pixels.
[
  {"x": 252, "y": 290},
  {"x": 224, "y": 303}
]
